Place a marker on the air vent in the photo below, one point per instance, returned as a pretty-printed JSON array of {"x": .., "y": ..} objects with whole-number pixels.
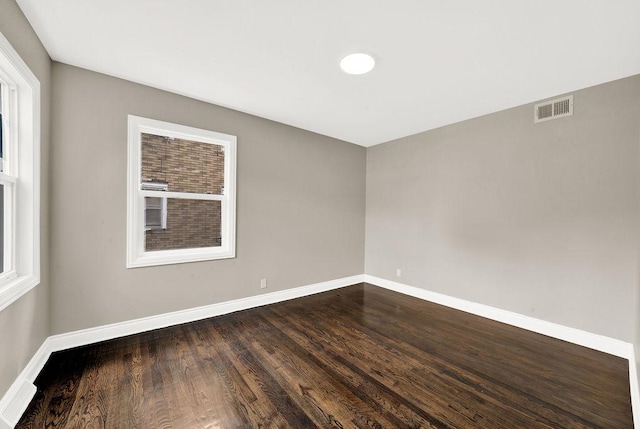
[
  {"x": 553, "y": 109},
  {"x": 20, "y": 399}
]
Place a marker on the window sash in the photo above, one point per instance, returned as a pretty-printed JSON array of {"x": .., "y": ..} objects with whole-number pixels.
[
  {"x": 176, "y": 256},
  {"x": 9, "y": 126},
  {"x": 9, "y": 215},
  {"x": 8, "y": 177}
]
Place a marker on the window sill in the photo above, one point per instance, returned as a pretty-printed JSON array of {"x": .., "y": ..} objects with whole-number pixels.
[
  {"x": 15, "y": 288},
  {"x": 169, "y": 257}
]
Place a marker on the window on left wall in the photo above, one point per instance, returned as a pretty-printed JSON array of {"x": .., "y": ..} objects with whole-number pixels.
[{"x": 19, "y": 176}]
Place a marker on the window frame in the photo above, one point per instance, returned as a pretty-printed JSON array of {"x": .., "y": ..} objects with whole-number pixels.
[
  {"x": 22, "y": 174},
  {"x": 136, "y": 255}
]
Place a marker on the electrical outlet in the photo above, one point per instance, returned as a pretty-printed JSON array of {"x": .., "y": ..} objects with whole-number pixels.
[
  {"x": 263, "y": 283},
  {"x": 398, "y": 272}
]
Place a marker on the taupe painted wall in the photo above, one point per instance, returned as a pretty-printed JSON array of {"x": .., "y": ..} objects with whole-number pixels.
[
  {"x": 25, "y": 324},
  {"x": 539, "y": 219},
  {"x": 300, "y": 211}
]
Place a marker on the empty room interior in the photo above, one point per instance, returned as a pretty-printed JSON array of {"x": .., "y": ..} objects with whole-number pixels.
[{"x": 319, "y": 214}]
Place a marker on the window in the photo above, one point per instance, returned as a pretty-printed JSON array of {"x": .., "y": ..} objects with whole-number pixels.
[
  {"x": 19, "y": 176},
  {"x": 181, "y": 194}
]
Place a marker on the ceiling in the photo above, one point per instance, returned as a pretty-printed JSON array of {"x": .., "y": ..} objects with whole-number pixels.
[{"x": 438, "y": 62}]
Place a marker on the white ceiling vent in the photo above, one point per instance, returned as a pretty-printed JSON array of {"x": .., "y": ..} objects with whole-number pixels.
[{"x": 553, "y": 109}]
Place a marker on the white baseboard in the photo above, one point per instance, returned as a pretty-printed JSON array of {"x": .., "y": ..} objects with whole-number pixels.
[
  {"x": 12, "y": 398},
  {"x": 572, "y": 335},
  {"x": 116, "y": 330}
]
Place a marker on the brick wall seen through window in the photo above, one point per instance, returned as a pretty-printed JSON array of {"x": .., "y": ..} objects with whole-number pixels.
[{"x": 184, "y": 166}]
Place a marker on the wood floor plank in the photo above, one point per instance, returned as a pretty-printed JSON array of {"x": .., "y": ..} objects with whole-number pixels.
[
  {"x": 214, "y": 394},
  {"x": 128, "y": 393},
  {"x": 233, "y": 391},
  {"x": 247, "y": 381},
  {"x": 436, "y": 375},
  {"x": 295, "y": 366},
  {"x": 383, "y": 367},
  {"x": 504, "y": 361},
  {"x": 356, "y": 357},
  {"x": 262, "y": 380},
  {"x": 508, "y": 372}
]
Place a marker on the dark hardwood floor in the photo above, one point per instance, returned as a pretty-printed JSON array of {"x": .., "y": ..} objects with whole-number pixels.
[{"x": 360, "y": 356}]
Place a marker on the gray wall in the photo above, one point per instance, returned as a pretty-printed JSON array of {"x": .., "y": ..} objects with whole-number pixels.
[
  {"x": 539, "y": 219},
  {"x": 300, "y": 211},
  {"x": 25, "y": 324}
]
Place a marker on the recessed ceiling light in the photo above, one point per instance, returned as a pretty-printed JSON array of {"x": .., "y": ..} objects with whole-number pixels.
[{"x": 358, "y": 63}]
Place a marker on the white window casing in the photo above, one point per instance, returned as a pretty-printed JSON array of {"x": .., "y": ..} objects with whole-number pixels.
[
  {"x": 20, "y": 176},
  {"x": 138, "y": 189}
]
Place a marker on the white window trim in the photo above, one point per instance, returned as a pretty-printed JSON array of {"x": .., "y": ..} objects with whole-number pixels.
[
  {"x": 24, "y": 147},
  {"x": 136, "y": 255}
]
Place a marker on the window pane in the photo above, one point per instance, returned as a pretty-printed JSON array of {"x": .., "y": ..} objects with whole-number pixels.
[
  {"x": 153, "y": 217},
  {"x": 153, "y": 202},
  {"x": 190, "y": 223},
  {"x": 154, "y": 213},
  {"x": 184, "y": 165}
]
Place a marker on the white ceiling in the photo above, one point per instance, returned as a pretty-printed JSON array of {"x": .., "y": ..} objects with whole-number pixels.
[{"x": 438, "y": 62}]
